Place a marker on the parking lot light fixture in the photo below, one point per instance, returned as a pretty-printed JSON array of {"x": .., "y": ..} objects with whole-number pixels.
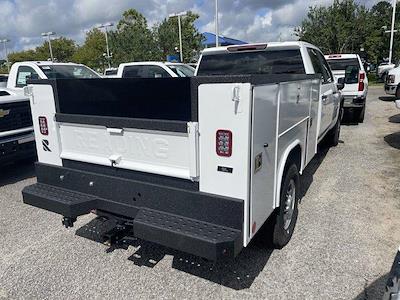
[
  {"x": 179, "y": 15},
  {"x": 5, "y": 41},
  {"x": 48, "y": 34},
  {"x": 216, "y": 25},
  {"x": 392, "y": 32},
  {"x": 108, "y": 54}
]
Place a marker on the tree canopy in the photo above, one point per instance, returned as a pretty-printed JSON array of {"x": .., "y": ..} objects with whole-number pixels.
[
  {"x": 131, "y": 40},
  {"x": 347, "y": 27}
]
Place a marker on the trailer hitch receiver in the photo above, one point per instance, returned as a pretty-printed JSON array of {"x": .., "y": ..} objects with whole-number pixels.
[{"x": 68, "y": 222}]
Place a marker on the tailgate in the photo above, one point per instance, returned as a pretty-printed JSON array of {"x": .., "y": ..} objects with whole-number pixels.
[
  {"x": 145, "y": 125},
  {"x": 159, "y": 152}
]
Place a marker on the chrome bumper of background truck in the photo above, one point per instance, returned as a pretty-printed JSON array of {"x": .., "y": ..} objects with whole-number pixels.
[
  {"x": 353, "y": 102},
  {"x": 181, "y": 218}
]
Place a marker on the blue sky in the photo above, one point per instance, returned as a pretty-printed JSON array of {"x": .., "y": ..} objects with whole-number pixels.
[{"x": 249, "y": 20}]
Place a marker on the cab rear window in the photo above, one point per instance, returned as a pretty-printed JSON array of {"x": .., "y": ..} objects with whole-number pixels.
[
  {"x": 342, "y": 64},
  {"x": 254, "y": 62}
]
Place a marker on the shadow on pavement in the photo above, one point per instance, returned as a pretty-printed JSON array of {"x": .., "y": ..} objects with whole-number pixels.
[
  {"x": 387, "y": 98},
  {"x": 13, "y": 173},
  {"x": 308, "y": 174},
  {"x": 349, "y": 118},
  {"x": 394, "y": 119},
  {"x": 393, "y": 140},
  {"x": 375, "y": 290},
  {"x": 238, "y": 273}
]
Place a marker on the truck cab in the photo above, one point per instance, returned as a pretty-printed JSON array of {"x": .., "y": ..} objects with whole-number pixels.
[
  {"x": 153, "y": 69},
  {"x": 275, "y": 59},
  {"x": 22, "y": 71}
]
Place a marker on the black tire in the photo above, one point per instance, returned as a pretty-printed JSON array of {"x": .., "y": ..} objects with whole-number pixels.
[
  {"x": 360, "y": 115},
  {"x": 398, "y": 92},
  {"x": 282, "y": 229},
  {"x": 332, "y": 138}
]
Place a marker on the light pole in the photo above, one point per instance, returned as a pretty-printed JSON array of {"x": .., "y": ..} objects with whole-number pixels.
[
  {"x": 105, "y": 26},
  {"x": 216, "y": 24},
  {"x": 392, "y": 32},
  {"x": 5, "y": 41},
  {"x": 48, "y": 34},
  {"x": 179, "y": 15}
]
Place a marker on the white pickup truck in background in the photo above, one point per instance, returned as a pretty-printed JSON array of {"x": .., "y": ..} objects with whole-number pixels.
[
  {"x": 153, "y": 69},
  {"x": 392, "y": 84},
  {"x": 16, "y": 128},
  {"x": 197, "y": 164},
  {"x": 351, "y": 68}
]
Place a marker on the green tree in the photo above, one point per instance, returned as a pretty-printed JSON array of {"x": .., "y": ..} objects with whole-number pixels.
[
  {"x": 377, "y": 41},
  {"x": 63, "y": 50},
  {"x": 132, "y": 40},
  {"x": 346, "y": 26},
  {"x": 22, "y": 56},
  {"x": 337, "y": 28},
  {"x": 167, "y": 37},
  {"x": 91, "y": 52}
]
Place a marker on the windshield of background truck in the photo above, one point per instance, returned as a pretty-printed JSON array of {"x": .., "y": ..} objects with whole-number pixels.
[
  {"x": 182, "y": 70},
  {"x": 68, "y": 71},
  {"x": 254, "y": 62},
  {"x": 342, "y": 64}
]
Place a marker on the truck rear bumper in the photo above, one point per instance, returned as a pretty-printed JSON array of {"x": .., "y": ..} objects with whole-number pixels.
[
  {"x": 16, "y": 148},
  {"x": 351, "y": 102},
  {"x": 187, "y": 220}
]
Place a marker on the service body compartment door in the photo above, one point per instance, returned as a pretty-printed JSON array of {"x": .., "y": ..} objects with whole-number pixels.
[
  {"x": 263, "y": 156},
  {"x": 312, "y": 138}
]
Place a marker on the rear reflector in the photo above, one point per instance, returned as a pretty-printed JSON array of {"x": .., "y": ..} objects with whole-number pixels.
[
  {"x": 361, "y": 78},
  {"x": 43, "y": 126},
  {"x": 223, "y": 144}
]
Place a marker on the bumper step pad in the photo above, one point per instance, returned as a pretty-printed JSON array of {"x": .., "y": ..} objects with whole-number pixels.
[
  {"x": 204, "y": 239},
  {"x": 64, "y": 202},
  {"x": 211, "y": 241}
]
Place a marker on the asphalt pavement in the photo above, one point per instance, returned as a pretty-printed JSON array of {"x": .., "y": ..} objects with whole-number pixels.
[{"x": 343, "y": 246}]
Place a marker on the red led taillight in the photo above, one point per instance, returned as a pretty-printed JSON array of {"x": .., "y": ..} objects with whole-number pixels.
[
  {"x": 361, "y": 78},
  {"x": 223, "y": 143},
  {"x": 43, "y": 126}
]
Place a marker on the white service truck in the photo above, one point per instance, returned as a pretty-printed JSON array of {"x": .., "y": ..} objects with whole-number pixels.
[{"x": 197, "y": 164}]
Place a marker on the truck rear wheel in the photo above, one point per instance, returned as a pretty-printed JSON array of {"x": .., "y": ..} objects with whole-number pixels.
[
  {"x": 287, "y": 213},
  {"x": 398, "y": 92}
]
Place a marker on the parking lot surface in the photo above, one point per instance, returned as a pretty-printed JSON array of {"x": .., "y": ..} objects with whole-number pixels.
[{"x": 346, "y": 237}]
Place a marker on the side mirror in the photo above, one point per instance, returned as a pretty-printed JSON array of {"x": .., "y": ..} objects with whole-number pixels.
[{"x": 340, "y": 83}]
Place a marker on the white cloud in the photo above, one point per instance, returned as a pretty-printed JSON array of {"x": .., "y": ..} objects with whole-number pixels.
[{"x": 249, "y": 20}]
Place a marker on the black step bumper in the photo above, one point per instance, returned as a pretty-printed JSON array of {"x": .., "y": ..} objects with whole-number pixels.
[{"x": 201, "y": 224}]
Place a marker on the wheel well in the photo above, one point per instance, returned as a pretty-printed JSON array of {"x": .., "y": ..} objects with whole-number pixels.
[{"x": 294, "y": 157}]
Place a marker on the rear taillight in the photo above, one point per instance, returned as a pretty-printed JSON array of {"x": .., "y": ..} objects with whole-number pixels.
[
  {"x": 43, "y": 126},
  {"x": 361, "y": 78},
  {"x": 224, "y": 143}
]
